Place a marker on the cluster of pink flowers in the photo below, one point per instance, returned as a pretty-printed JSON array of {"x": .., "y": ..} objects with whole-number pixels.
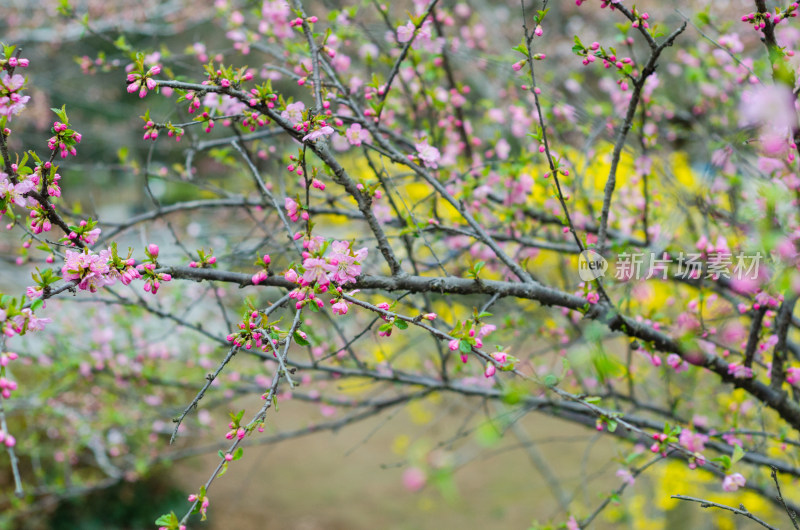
[
  {"x": 292, "y": 209},
  {"x": 759, "y": 21},
  {"x": 692, "y": 441},
  {"x": 92, "y": 270},
  {"x": 234, "y": 432},
  {"x": 11, "y": 101},
  {"x": 87, "y": 236},
  {"x": 344, "y": 265},
  {"x": 740, "y": 371},
  {"x": 422, "y": 37},
  {"x": 454, "y": 344},
  {"x": 127, "y": 274},
  {"x": 204, "y": 502},
  {"x": 141, "y": 83},
  {"x": 6, "y": 387},
  {"x": 64, "y": 140},
  {"x": 28, "y": 321},
  {"x": 261, "y": 275},
  {"x": 153, "y": 279},
  {"x": 340, "y": 267},
  {"x": 14, "y": 193}
]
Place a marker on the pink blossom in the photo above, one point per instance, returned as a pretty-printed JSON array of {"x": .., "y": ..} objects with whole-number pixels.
[
  {"x": 405, "y": 33},
  {"x": 33, "y": 323},
  {"x": 490, "y": 369},
  {"x": 694, "y": 442},
  {"x": 626, "y": 476},
  {"x": 90, "y": 237},
  {"x": 315, "y": 272},
  {"x": 91, "y": 269},
  {"x": 572, "y": 524},
  {"x": 318, "y": 133},
  {"x": 733, "y": 482},
  {"x": 355, "y": 134},
  {"x": 291, "y": 208},
  {"x": 294, "y": 112},
  {"x": 770, "y": 106},
  {"x": 500, "y": 356},
  {"x": 740, "y": 371},
  {"x": 291, "y": 275},
  {"x": 486, "y": 329},
  {"x": 414, "y": 479},
  {"x": 340, "y": 307},
  {"x": 15, "y": 193},
  {"x": 675, "y": 361},
  {"x": 11, "y": 101},
  {"x": 341, "y": 265},
  {"x": 428, "y": 154}
]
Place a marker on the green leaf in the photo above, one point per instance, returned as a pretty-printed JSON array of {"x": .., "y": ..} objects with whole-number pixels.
[
  {"x": 170, "y": 520},
  {"x": 464, "y": 346},
  {"x": 724, "y": 460},
  {"x": 238, "y": 453},
  {"x": 300, "y": 340},
  {"x": 738, "y": 454},
  {"x": 61, "y": 113},
  {"x": 401, "y": 324}
]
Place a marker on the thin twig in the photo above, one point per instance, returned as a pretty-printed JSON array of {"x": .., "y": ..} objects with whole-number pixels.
[
  {"x": 792, "y": 515},
  {"x": 741, "y": 510}
]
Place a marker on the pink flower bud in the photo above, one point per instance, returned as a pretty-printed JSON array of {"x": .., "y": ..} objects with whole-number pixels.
[{"x": 490, "y": 370}]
